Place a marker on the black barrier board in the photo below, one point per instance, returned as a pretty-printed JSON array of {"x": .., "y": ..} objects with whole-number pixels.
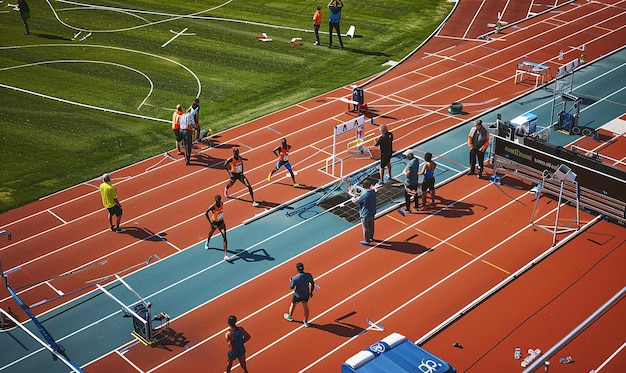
[{"x": 590, "y": 178}]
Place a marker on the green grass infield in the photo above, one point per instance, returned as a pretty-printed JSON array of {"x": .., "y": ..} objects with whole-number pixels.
[{"x": 93, "y": 87}]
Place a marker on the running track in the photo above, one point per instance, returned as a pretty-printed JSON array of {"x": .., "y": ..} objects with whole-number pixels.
[{"x": 427, "y": 267}]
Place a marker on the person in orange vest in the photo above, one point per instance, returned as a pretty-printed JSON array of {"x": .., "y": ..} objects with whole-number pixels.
[
  {"x": 234, "y": 166},
  {"x": 176, "y": 126},
  {"x": 317, "y": 21},
  {"x": 215, "y": 216},
  {"x": 282, "y": 152}
]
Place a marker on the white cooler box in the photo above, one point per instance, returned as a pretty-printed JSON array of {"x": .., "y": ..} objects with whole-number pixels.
[{"x": 525, "y": 124}]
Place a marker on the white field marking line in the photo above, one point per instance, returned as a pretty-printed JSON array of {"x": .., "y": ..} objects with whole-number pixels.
[
  {"x": 53, "y": 288},
  {"x": 331, "y": 271},
  {"x": 88, "y": 7},
  {"x": 56, "y": 216},
  {"x": 94, "y": 62},
  {"x": 123, "y": 356},
  {"x": 433, "y": 286},
  {"x": 85, "y": 37},
  {"x": 495, "y": 54},
  {"x": 174, "y": 37},
  {"x": 608, "y": 359},
  {"x": 171, "y": 17},
  {"x": 164, "y": 158},
  {"x": 476, "y": 13},
  {"x": 174, "y": 17},
  {"x": 113, "y": 48}
]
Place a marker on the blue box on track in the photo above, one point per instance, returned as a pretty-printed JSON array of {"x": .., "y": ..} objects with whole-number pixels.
[
  {"x": 525, "y": 124},
  {"x": 397, "y": 354}
]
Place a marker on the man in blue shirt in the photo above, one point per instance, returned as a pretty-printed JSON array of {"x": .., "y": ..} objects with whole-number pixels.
[
  {"x": 367, "y": 203},
  {"x": 302, "y": 284},
  {"x": 333, "y": 23}
]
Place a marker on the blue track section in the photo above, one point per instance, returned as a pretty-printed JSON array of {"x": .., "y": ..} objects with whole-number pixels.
[{"x": 93, "y": 325}]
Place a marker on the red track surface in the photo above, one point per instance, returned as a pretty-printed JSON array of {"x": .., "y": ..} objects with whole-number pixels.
[{"x": 428, "y": 267}]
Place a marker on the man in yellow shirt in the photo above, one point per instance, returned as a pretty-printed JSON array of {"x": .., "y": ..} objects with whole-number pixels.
[{"x": 111, "y": 203}]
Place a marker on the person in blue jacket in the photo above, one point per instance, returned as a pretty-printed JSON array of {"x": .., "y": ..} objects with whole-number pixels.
[{"x": 333, "y": 23}]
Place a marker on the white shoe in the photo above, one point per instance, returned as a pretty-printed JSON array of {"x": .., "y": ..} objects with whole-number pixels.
[{"x": 255, "y": 204}]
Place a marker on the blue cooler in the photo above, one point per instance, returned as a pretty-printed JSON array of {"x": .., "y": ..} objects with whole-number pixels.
[
  {"x": 525, "y": 124},
  {"x": 396, "y": 354}
]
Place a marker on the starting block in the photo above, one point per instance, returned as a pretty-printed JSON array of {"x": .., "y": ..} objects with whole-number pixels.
[{"x": 354, "y": 104}]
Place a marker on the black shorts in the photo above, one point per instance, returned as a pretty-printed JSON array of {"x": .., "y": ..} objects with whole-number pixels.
[
  {"x": 428, "y": 184},
  {"x": 218, "y": 224},
  {"x": 115, "y": 210},
  {"x": 236, "y": 176},
  {"x": 296, "y": 299},
  {"x": 384, "y": 160}
]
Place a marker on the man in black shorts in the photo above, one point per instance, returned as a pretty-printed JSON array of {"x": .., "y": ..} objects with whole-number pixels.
[
  {"x": 215, "y": 216},
  {"x": 234, "y": 166},
  {"x": 386, "y": 151},
  {"x": 302, "y": 285}
]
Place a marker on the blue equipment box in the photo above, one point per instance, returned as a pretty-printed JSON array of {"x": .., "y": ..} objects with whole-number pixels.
[
  {"x": 525, "y": 124},
  {"x": 396, "y": 354}
]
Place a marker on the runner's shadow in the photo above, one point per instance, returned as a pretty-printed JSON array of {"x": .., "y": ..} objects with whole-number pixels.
[
  {"x": 143, "y": 234},
  {"x": 453, "y": 209},
  {"x": 252, "y": 256},
  {"x": 341, "y": 329},
  {"x": 404, "y": 247}
]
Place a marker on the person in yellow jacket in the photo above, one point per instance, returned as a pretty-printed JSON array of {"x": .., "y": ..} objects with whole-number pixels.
[
  {"x": 111, "y": 203},
  {"x": 317, "y": 21}
]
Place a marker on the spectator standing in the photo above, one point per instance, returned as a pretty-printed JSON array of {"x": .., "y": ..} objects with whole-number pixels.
[
  {"x": 428, "y": 184},
  {"x": 24, "y": 10},
  {"x": 234, "y": 166},
  {"x": 302, "y": 285},
  {"x": 111, "y": 203},
  {"x": 411, "y": 172},
  {"x": 186, "y": 132},
  {"x": 215, "y": 216},
  {"x": 317, "y": 21},
  {"x": 367, "y": 212},
  {"x": 195, "y": 107},
  {"x": 333, "y": 22},
  {"x": 236, "y": 337},
  {"x": 477, "y": 142},
  {"x": 282, "y": 153},
  {"x": 385, "y": 143},
  {"x": 176, "y": 126}
]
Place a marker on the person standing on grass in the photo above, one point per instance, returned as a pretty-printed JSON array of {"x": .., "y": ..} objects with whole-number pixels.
[
  {"x": 234, "y": 166},
  {"x": 195, "y": 107},
  {"x": 367, "y": 211},
  {"x": 302, "y": 285},
  {"x": 111, "y": 203},
  {"x": 428, "y": 184},
  {"x": 236, "y": 338},
  {"x": 411, "y": 172},
  {"x": 24, "y": 10},
  {"x": 385, "y": 143},
  {"x": 477, "y": 142},
  {"x": 215, "y": 216},
  {"x": 282, "y": 153},
  {"x": 317, "y": 21},
  {"x": 176, "y": 126},
  {"x": 186, "y": 132},
  {"x": 333, "y": 22}
]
